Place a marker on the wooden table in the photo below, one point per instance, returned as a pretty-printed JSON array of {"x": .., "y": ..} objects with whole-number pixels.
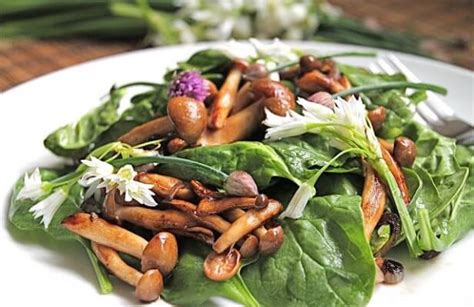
[{"x": 449, "y": 19}]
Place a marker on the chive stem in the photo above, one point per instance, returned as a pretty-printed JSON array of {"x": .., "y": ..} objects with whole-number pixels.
[{"x": 392, "y": 85}]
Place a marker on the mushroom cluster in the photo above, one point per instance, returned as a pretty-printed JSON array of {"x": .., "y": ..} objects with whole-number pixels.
[
  {"x": 227, "y": 114},
  {"x": 234, "y": 222}
]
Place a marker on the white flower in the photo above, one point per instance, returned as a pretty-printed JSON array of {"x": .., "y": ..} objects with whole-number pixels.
[
  {"x": 138, "y": 152},
  {"x": 48, "y": 206},
  {"x": 32, "y": 186},
  {"x": 97, "y": 171},
  {"x": 346, "y": 125},
  {"x": 124, "y": 181},
  {"x": 276, "y": 51}
]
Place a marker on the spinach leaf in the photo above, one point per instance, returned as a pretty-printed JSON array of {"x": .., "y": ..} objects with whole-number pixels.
[
  {"x": 325, "y": 259},
  {"x": 190, "y": 287},
  {"x": 104, "y": 123},
  {"x": 308, "y": 152},
  {"x": 22, "y": 219},
  {"x": 212, "y": 63},
  {"x": 256, "y": 158}
]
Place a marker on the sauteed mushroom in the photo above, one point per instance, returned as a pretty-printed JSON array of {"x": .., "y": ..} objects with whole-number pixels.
[
  {"x": 377, "y": 117},
  {"x": 158, "y": 127},
  {"x": 96, "y": 229},
  {"x": 277, "y": 97},
  {"x": 148, "y": 285},
  {"x": 315, "y": 81},
  {"x": 175, "y": 145},
  {"x": 391, "y": 219},
  {"x": 225, "y": 98},
  {"x": 223, "y": 266},
  {"x": 374, "y": 198},
  {"x": 161, "y": 253},
  {"x": 404, "y": 151},
  {"x": 213, "y": 206},
  {"x": 397, "y": 173},
  {"x": 245, "y": 224},
  {"x": 164, "y": 186},
  {"x": 202, "y": 192},
  {"x": 269, "y": 240},
  {"x": 189, "y": 116}
]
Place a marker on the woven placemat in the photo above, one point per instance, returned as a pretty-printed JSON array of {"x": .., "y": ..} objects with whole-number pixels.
[{"x": 449, "y": 19}]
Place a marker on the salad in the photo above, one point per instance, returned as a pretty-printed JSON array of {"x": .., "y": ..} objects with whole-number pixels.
[{"x": 276, "y": 178}]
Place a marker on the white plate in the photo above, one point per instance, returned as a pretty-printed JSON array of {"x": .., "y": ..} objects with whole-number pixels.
[{"x": 58, "y": 273}]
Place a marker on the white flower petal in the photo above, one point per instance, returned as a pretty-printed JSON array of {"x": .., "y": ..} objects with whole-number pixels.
[
  {"x": 48, "y": 206},
  {"x": 32, "y": 186}
]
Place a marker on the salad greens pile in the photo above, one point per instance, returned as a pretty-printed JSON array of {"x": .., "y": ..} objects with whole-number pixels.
[{"x": 325, "y": 257}]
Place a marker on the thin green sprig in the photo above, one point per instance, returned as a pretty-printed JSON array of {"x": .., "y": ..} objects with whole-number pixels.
[
  {"x": 392, "y": 85},
  {"x": 327, "y": 56}
]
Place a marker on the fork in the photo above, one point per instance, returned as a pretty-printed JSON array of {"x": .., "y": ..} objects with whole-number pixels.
[{"x": 434, "y": 112}]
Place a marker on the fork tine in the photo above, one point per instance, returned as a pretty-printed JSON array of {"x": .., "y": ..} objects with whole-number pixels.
[
  {"x": 434, "y": 102},
  {"x": 374, "y": 68},
  {"x": 466, "y": 137},
  {"x": 423, "y": 113}
]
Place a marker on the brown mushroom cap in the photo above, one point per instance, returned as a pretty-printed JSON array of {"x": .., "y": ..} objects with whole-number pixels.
[
  {"x": 220, "y": 267},
  {"x": 158, "y": 127},
  {"x": 404, "y": 151},
  {"x": 149, "y": 287},
  {"x": 278, "y": 98},
  {"x": 189, "y": 116},
  {"x": 271, "y": 241},
  {"x": 249, "y": 247},
  {"x": 161, "y": 253}
]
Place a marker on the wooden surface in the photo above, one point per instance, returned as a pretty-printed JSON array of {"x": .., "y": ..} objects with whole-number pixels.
[{"x": 451, "y": 20}]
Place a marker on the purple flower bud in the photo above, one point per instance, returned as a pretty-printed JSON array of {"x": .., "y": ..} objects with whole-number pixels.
[
  {"x": 322, "y": 98},
  {"x": 190, "y": 84}
]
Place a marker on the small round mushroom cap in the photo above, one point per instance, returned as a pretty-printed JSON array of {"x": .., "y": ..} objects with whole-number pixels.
[
  {"x": 149, "y": 287},
  {"x": 161, "y": 253},
  {"x": 249, "y": 247},
  {"x": 189, "y": 116},
  {"x": 271, "y": 241},
  {"x": 220, "y": 267}
]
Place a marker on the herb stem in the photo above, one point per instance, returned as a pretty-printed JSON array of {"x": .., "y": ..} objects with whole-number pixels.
[
  {"x": 105, "y": 285},
  {"x": 392, "y": 85},
  {"x": 327, "y": 56}
]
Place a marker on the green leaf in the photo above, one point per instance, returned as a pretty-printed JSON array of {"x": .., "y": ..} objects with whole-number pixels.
[
  {"x": 256, "y": 158},
  {"x": 325, "y": 259}
]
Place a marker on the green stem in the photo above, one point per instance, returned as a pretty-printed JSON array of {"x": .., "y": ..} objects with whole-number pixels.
[
  {"x": 327, "y": 56},
  {"x": 392, "y": 85},
  {"x": 140, "y": 83},
  {"x": 242, "y": 294},
  {"x": 407, "y": 223},
  {"x": 105, "y": 285}
]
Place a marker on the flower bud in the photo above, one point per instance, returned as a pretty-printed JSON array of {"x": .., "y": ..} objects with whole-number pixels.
[
  {"x": 240, "y": 183},
  {"x": 322, "y": 98}
]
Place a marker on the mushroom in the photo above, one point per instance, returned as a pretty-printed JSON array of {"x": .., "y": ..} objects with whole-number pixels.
[
  {"x": 289, "y": 73},
  {"x": 96, "y": 229},
  {"x": 269, "y": 240},
  {"x": 189, "y": 116},
  {"x": 276, "y": 96},
  {"x": 374, "y": 198},
  {"x": 315, "y": 81},
  {"x": 223, "y": 266},
  {"x": 164, "y": 186},
  {"x": 225, "y": 98},
  {"x": 387, "y": 145},
  {"x": 391, "y": 219},
  {"x": 161, "y": 253},
  {"x": 344, "y": 81},
  {"x": 213, "y": 206},
  {"x": 245, "y": 224},
  {"x": 239, "y": 126},
  {"x": 249, "y": 247},
  {"x": 377, "y": 117},
  {"x": 203, "y": 192},
  {"x": 148, "y": 285},
  {"x": 175, "y": 145},
  {"x": 404, "y": 151},
  {"x": 244, "y": 98},
  {"x": 393, "y": 271},
  {"x": 199, "y": 233},
  {"x": 255, "y": 71},
  {"x": 212, "y": 89},
  {"x": 397, "y": 174},
  {"x": 158, "y": 127}
]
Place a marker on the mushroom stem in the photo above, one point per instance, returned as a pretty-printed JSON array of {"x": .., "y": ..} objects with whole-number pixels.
[
  {"x": 269, "y": 240},
  {"x": 158, "y": 127},
  {"x": 243, "y": 99},
  {"x": 238, "y": 126},
  {"x": 203, "y": 192},
  {"x": 397, "y": 174},
  {"x": 374, "y": 198},
  {"x": 387, "y": 145},
  {"x": 164, "y": 186},
  {"x": 251, "y": 220},
  {"x": 225, "y": 98},
  {"x": 112, "y": 261},
  {"x": 96, "y": 229},
  {"x": 214, "y": 206}
]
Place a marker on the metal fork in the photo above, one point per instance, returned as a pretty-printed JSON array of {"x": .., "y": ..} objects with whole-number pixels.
[{"x": 434, "y": 111}]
